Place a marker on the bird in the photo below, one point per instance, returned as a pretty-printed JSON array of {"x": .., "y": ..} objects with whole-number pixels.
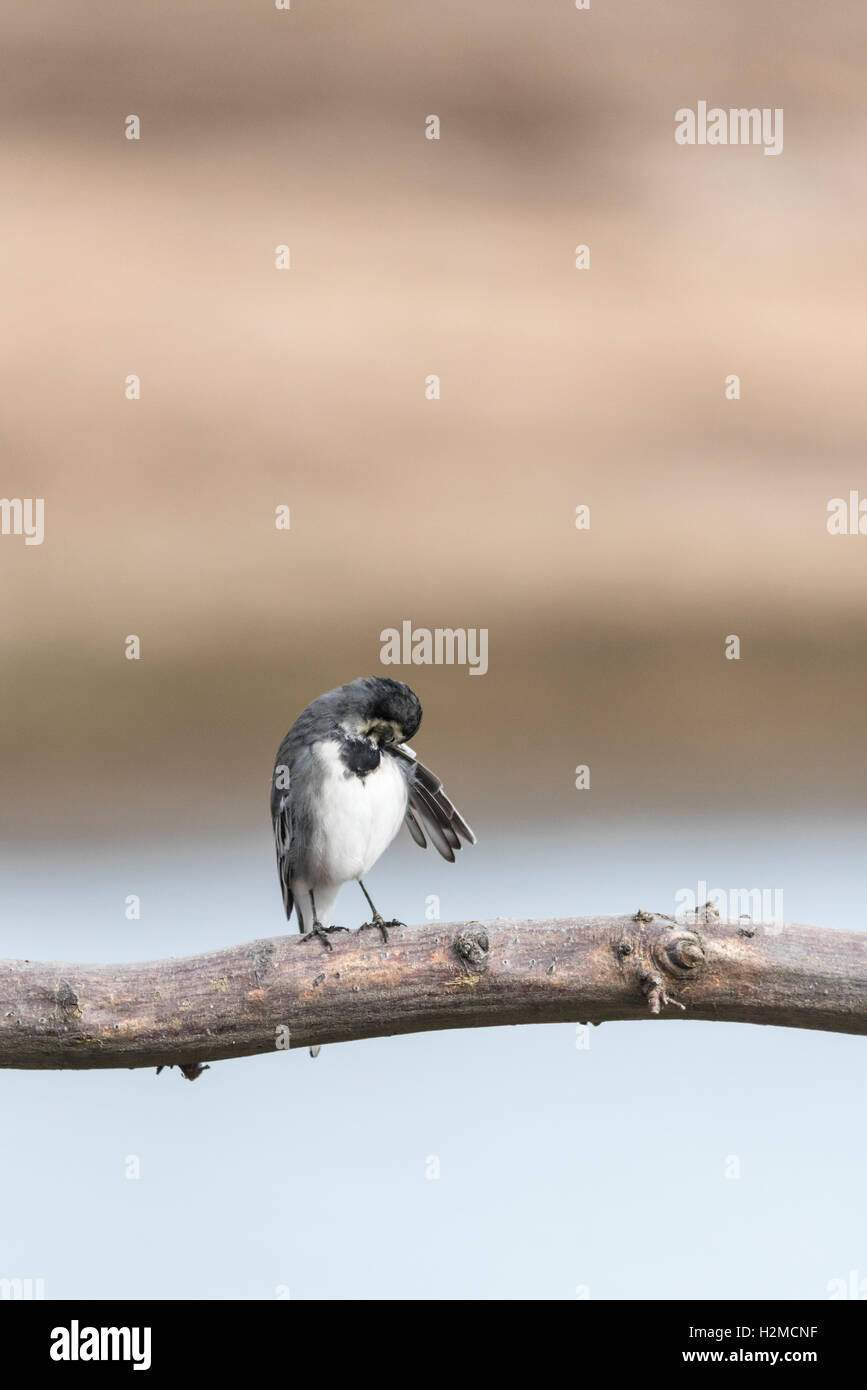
[{"x": 345, "y": 780}]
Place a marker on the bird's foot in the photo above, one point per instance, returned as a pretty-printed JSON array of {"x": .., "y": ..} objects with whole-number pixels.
[
  {"x": 379, "y": 921},
  {"x": 322, "y": 932}
]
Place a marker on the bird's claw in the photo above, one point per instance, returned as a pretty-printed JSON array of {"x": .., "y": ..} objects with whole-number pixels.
[
  {"x": 322, "y": 932},
  {"x": 379, "y": 921}
]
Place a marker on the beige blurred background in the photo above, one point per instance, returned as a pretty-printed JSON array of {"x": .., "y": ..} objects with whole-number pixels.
[{"x": 306, "y": 388}]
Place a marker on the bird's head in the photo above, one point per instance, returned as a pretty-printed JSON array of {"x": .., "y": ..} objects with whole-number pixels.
[{"x": 381, "y": 709}]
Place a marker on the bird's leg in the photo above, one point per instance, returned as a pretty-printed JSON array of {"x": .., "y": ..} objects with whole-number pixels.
[
  {"x": 377, "y": 920},
  {"x": 317, "y": 929}
]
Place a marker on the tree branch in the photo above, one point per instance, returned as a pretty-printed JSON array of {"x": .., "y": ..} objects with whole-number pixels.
[{"x": 285, "y": 992}]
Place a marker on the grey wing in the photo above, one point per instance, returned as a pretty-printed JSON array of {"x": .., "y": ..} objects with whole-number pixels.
[
  {"x": 429, "y": 810},
  {"x": 281, "y": 812}
]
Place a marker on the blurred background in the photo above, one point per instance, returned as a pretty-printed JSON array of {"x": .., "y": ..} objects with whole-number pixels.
[{"x": 305, "y": 388}]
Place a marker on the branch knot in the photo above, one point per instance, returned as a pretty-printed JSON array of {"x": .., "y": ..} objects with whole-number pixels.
[
  {"x": 472, "y": 946},
  {"x": 679, "y": 951}
]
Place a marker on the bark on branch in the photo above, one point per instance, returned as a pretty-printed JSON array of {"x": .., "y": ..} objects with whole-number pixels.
[{"x": 285, "y": 992}]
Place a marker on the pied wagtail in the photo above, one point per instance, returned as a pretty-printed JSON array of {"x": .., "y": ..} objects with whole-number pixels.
[{"x": 344, "y": 781}]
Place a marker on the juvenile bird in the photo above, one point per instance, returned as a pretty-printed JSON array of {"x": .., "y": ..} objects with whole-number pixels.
[{"x": 344, "y": 781}]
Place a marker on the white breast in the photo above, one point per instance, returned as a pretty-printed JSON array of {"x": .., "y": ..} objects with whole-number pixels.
[{"x": 357, "y": 817}]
